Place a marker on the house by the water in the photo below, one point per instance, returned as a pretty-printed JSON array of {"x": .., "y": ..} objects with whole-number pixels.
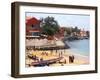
[{"x": 33, "y": 27}]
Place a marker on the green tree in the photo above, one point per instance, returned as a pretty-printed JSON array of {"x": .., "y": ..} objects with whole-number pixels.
[{"x": 50, "y": 26}]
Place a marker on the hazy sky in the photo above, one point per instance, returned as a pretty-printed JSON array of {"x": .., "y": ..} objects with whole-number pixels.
[{"x": 81, "y": 21}]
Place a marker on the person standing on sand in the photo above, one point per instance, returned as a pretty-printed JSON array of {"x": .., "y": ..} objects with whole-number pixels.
[
  {"x": 61, "y": 54},
  {"x": 71, "y": 59},
  {"x": 65, "y": 61},
  {"x": 56, "y": 51}
]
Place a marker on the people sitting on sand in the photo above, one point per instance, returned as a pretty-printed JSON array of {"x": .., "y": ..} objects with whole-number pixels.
[{"x": 44, "y": 53}]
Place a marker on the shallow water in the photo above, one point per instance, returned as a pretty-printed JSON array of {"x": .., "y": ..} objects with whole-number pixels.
[{"x": 79, "y": 46}]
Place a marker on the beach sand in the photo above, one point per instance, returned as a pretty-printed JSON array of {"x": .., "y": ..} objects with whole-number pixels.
[{"x": 78, "y": 59}]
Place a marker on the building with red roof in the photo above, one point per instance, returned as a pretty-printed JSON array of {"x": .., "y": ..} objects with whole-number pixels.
[{"x": 33, "y": 27}]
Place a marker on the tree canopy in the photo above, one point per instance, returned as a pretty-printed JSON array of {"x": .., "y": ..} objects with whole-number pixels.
[{"x": 49, "y": 26}]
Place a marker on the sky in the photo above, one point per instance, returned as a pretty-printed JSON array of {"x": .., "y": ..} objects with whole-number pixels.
[{"x": 65, "y": 20}]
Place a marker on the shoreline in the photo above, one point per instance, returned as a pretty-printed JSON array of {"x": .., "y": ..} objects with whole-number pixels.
[
  {"x": 78, "y": 56},
  {"x": 79, "y": 59}
]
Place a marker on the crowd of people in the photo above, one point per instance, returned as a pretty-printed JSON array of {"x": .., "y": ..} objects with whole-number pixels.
[{"x": 37, "y": 58}]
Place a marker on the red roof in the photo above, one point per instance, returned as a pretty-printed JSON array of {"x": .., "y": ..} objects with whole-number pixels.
[{"x": 32, "y": 21}]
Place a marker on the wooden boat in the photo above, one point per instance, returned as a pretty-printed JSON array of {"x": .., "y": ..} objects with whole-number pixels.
[{"x": 46, "y": 62}]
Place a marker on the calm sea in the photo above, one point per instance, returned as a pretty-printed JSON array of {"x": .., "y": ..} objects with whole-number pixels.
[{"x": 79, "y": 46}]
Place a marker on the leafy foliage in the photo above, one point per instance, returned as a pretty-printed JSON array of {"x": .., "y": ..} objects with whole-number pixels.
[{"x": 49, "y": 26}]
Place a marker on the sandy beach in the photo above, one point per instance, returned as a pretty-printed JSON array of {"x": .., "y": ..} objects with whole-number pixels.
[
  {"x": 78, "y": 60},
  {"x": 48, "y": 55},
  {"x": 49, "y": 43}
]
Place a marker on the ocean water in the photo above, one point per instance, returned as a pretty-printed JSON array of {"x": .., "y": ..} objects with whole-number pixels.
[{"x": 79, "y": 46}]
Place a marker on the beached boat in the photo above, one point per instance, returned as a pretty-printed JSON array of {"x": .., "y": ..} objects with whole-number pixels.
[{"x": 46, "y": 62}]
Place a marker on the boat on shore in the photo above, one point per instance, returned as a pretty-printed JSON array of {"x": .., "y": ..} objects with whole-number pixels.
[{"x": 46, "y": 62}]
